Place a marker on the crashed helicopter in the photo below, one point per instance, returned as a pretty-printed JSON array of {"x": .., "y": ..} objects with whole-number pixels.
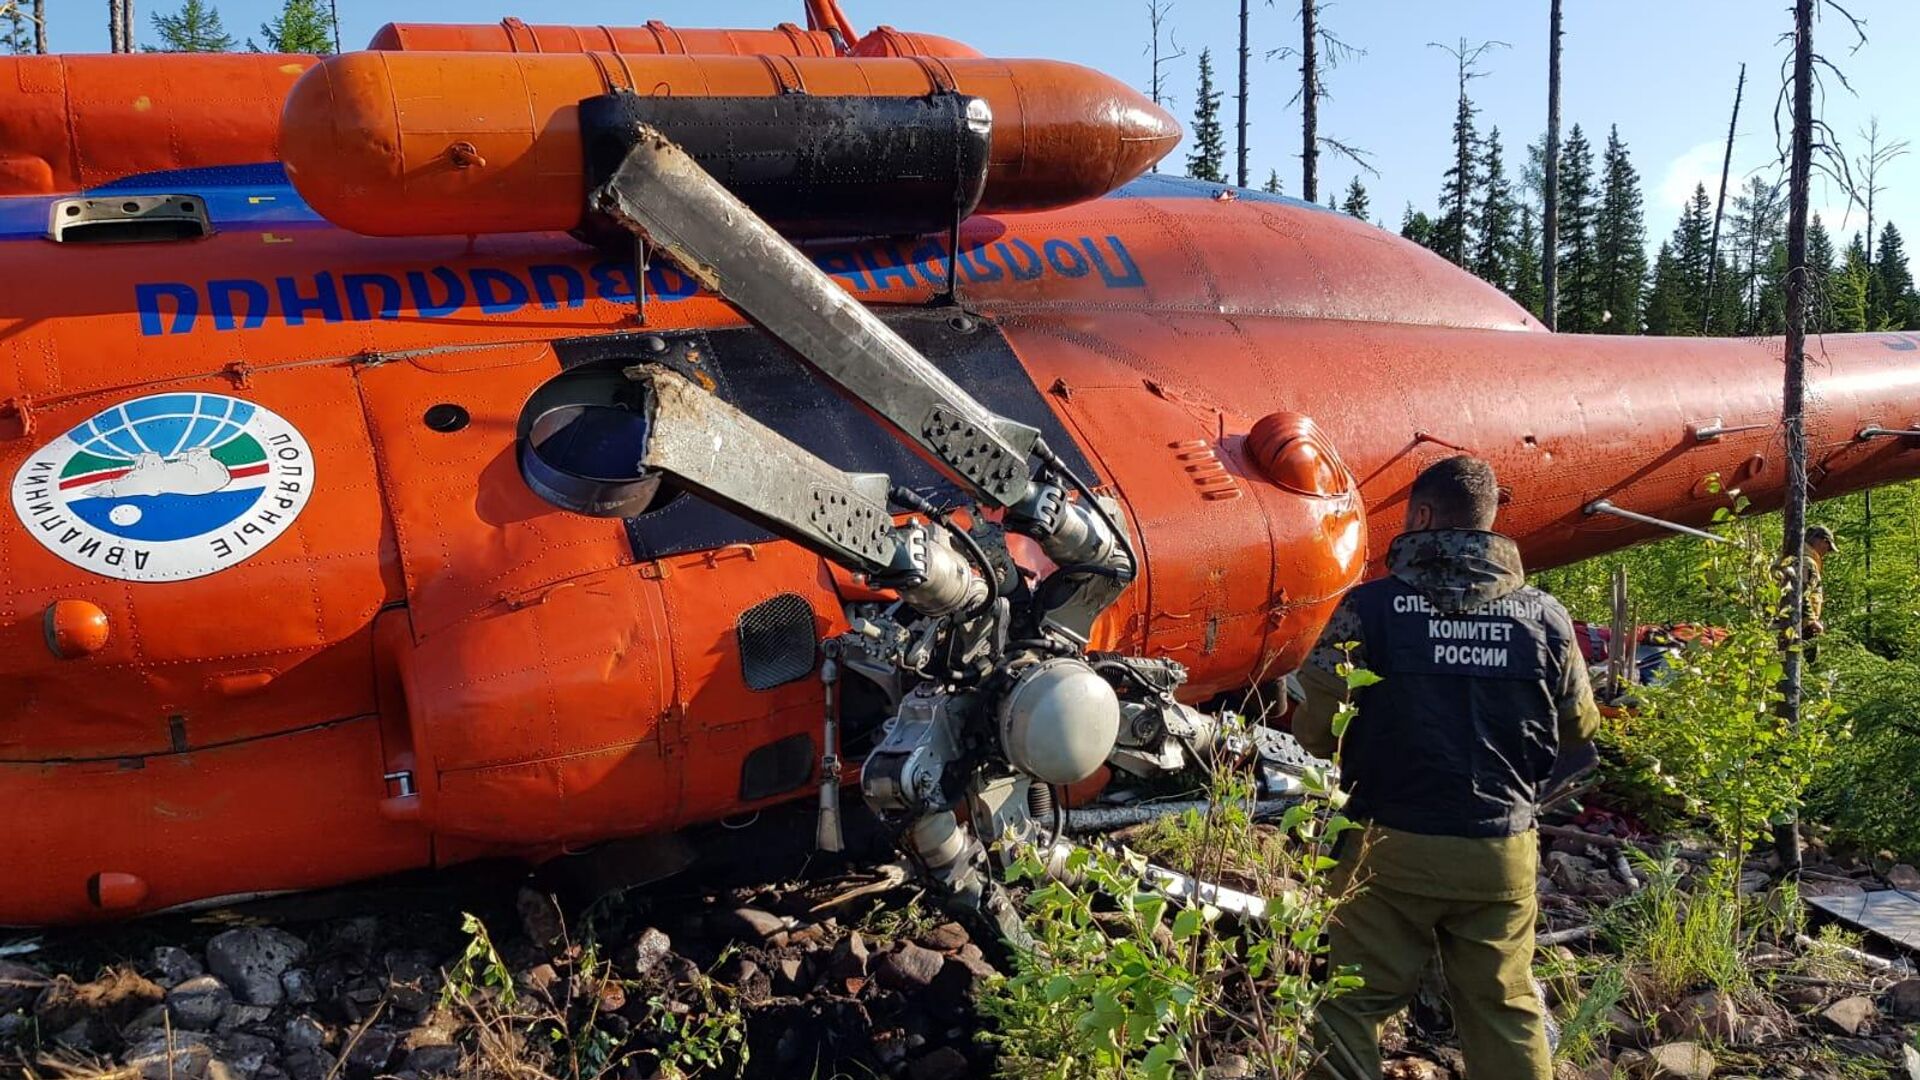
[{"x": 503, "y": 440}]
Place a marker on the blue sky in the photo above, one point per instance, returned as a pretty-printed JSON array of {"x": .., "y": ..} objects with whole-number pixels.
[{"x": 1663, "y": 70}]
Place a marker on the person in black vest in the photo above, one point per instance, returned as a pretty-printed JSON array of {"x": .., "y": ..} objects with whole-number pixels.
[{"x": 1482, "y": 686}]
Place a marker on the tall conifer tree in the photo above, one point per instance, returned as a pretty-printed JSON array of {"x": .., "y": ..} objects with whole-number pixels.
[
  {"x": 1849, "y": 290},
  {"x": 1453, "y": 233},
  {"x": 1759, "y": 223},
  {"x": 1891, "y": 296},
  {"x": 1691, "y": 252},
  {"x": 1820, "y": 276},
  {"x": 1581, "y": 307},
  {"x": 1620, "y": 237},
  {"x": 1416, "y": 226},
  {"x": 1528, "y": 290},
  {"x": 1356, "y": 202},
  {"x": 1207, "y": 160},
  {"x": 1668, "y": 300},
  {"x": 1493, "y": 255},
  {"x": 194, "y": 28},
  {"x": 301, "y": 27}
]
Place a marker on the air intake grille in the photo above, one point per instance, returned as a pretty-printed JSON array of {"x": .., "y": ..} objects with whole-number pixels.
[{"x": 776, "y": 641}]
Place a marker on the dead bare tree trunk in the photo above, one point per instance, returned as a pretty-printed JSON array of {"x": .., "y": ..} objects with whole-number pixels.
[
  {"x": 1156, "y": 18},
  {"x": 1309, "y": 104},
  {"x": 114, "y": 24},
  {"x": 127, "y": 34},
  {"x": 1241, "y": 124},
  {"x": 1794, "y": 391},
  {"x": 40, "y": 27},
  {"x": 1878, "y": 156},
  {"x": 1720, "y": 208},
  {"x": 1550, "y": 215}
]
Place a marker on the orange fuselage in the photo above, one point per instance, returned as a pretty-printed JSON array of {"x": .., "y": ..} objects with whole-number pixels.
[{"x": 550, "y": 684}]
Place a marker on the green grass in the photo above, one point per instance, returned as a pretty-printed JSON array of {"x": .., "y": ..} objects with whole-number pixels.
[
  {"x": 1584, "y": 1031},
  {"x": 1682, "y": 941}
]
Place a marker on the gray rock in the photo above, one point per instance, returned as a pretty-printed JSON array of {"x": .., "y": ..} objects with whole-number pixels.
[
  {"x": 173, "y": 965},
  {"x": 179, "y": 1055},
  {"x": 250, "y": 960},
  {"x": 947, "y": 937},
  {"x": 245, "y": 1054},
  {"x": 434, "y": 1060},
  {"x": 86, "y": 1035},
  {"x": 850, "y": 957},
  {"x": 908, "y": 969},
  {"x": 962, "y": 977},
  {"x": 1707, "y": 1018},
  {"x": 198, "y": 1003},
  {"x": 745, "y": 977},
  {"x": 296, "y": 987},
  {"x": 1570, "y": 872},
  {"x": 411, "y": 982},
  {"x": 539, "y": 980},
  {"x": 240, "y": 1016},
  {"x": 371, "y": 1048},
  {"x": 309, "y": 1065},
  {"x": 1677, "y": 1061},
  {"x": 1903, "y": 999},
  {"x": 154, "y": 1018},
  {"x": 304, "y": 1033},
  {"x": 1903, "y": 876},
  {"x": 648, "y": 950},
  {"x": 19, "y": 985},
  {"x": 14, "y": 1028},
  {"x": 1848, "y": 1016},
  {"x": 787, "y": 974},
  {"x": 943, "y": 1063},
  {"x": 540, "y": 917},
  {"x": 748, "y": 923}
]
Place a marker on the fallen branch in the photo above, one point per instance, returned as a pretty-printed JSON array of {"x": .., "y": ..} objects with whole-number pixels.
[
  {"x": 1624, "y": 871},
  {"x": 1837, "y": 984},
  {"x": 1563, "y": 832},
  {"x": 1864, "y": 959},
  {"x": 1105, "y": 818},
  {"x": 892, "y": 876},
  {"x": 1563, "y": 937}
]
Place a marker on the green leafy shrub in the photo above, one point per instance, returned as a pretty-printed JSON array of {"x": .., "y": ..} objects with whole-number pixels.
[
  {"x": 1869, "y": 790},
  {"x": 1120, "y": 981}
]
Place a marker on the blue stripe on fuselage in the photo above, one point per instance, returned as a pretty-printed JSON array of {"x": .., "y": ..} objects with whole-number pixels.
[
  {"x": 237, "y": 197},
  {"x": 259, "y": 197}
]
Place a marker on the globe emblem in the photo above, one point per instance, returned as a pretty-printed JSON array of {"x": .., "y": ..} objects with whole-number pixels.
[{"x": 165, "y": 467}]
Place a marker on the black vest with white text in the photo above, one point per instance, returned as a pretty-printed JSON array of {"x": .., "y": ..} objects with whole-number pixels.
[{"x": 1460, "y": 735}]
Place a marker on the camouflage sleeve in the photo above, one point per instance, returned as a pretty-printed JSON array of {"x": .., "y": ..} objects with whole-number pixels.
[
  {"x": 1325, "y": 687},
  {"x": 1342, "y": 629},
  {"x": 1815, "y": 622},
  {"x": 1579, "y": 716}
]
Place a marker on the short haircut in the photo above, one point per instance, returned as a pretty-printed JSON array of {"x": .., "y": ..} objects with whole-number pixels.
[{"x": 1461, "y": 491}]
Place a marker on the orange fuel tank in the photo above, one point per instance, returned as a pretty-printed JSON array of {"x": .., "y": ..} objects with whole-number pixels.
[
  {"x": 656, "y": 39},
  {"x": 74, "y": 122},
  {"x": 416, "y": 144}
]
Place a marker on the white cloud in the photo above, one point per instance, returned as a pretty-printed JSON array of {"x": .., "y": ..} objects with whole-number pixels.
[{"x": 1699, "y": 165}]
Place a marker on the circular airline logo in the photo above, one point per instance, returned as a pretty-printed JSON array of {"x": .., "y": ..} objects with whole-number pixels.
[{"x": 166, "y": 487}]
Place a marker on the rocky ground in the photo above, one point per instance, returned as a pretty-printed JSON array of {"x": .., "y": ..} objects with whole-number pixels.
[
  {"x": 693, "y": 980},
  {"x": 832, "y": 972}
]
